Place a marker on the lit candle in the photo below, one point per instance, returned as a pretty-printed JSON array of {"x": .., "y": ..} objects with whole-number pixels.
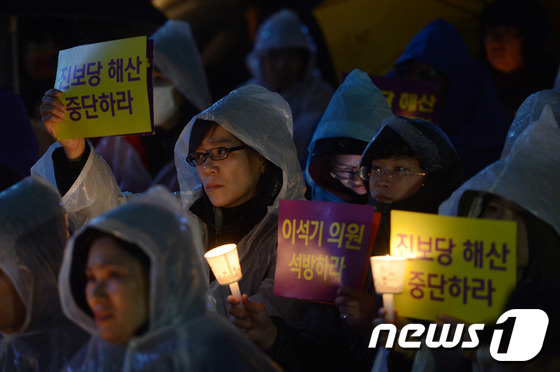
[
  {"x": 224, "y": 262},
  {"x": 388, "y": 278}
]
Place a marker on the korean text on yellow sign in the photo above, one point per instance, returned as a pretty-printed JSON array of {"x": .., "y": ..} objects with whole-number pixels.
[
  {"x": 463, "y": 267},
  {"x": 105, "y": 89}
]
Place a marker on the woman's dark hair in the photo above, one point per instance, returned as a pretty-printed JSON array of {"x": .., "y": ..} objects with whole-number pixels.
[
  {"x": 237, "y": 221},
  {"x": 394, "y": 145},
  {"x": 82, "y": 247},
  {"x": 200, "y": 129}
]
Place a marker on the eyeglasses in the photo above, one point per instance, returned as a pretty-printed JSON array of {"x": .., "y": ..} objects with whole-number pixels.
[
  {"x": 346, "y": 174},
  {"x": 217, "y": 153},
  {"x": 397, "y": 175}
]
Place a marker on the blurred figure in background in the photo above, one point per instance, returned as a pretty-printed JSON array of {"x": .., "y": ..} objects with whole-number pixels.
[
  {"x": 283, "y": 61},
  {"x": 353, "y": 116},
  {"x": 513, "y": 34},
  {"x": 471, "y": 113},
  {"x": 34, "y": 333}
]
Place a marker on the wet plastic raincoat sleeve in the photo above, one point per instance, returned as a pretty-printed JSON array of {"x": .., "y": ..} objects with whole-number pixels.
[{"x": 94, "y": 191}]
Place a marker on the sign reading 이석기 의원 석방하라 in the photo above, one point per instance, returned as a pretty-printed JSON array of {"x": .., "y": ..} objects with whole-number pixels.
[
  {"x": 107, "y": 88},
  {"x": 464, "y": 267},
  {"x": 321, "y": 246}
]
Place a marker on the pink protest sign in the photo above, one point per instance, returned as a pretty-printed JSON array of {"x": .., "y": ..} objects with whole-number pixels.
[{"x": 321, "y": 246}]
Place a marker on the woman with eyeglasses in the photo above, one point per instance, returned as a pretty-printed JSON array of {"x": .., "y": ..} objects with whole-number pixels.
[
  {"x": 234, "y": 161},
  {"x": 321, "y": 340},
  {"x": 410, "y": 165},
  {"x": 353, "y": 116}
]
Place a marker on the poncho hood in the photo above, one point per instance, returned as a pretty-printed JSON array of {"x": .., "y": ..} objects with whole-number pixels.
[{"x": 156, "y": 224}]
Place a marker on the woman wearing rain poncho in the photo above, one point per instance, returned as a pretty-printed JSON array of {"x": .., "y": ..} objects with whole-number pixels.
[
  {"x": 522, "y": 186},
  {"x": 135, "y": 280},
  {"x": 35, "y": 334},
  {"x": 409, "y": 165},
  {"x": 353, "y": 116},
  {"x": 237, "y": 171},
  {"x": 320, "y": 340},
  {"x": 524, "y": 183}
]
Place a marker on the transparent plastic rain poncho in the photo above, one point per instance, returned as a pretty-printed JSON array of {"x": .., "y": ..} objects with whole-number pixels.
[
  {"x": 355, "y": 111},
  {"x": 308, "y": 98},
  {"x": 256, "y": 116},
  {"x": 94, "y": 192},
  {"x": 262, "y": 120},
  {"x": 176, "y": 56},
  {"x": 530, "y": 111},
  {"x": 180, "y": 336},
  {"x": 527, "y": 175},
  {"x": 32, "y": 236}
]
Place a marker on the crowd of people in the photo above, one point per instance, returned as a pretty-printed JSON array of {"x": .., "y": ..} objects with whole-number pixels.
[{"x": 102, "y": 241}]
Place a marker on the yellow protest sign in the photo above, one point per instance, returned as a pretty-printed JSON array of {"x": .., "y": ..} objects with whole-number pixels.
[
  {"x": 106, "y": 88},
  {"x": 464, "y": 267}
]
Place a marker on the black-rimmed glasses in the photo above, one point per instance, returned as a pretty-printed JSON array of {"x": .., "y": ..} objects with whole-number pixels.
[
  {"x": 397, "y": 175},
  {"x": 217, "y": 153}
]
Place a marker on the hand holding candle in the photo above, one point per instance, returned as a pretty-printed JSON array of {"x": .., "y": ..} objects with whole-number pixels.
[
  {"x": 388, "y": 278},
  {"x": 224, "y": 262}
]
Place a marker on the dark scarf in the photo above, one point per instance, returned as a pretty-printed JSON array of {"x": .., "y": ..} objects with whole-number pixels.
[{"x": 230, "y": 225}]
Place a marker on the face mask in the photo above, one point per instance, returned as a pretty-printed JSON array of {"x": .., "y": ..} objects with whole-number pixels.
[{"x": 164, "y": 104}]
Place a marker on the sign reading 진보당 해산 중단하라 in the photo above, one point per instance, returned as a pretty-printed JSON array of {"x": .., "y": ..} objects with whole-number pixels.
[
  {"x": 107, "y": 88},
  {"x": 463, "y": 267},
  {"x": 321, "y": 246}
]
